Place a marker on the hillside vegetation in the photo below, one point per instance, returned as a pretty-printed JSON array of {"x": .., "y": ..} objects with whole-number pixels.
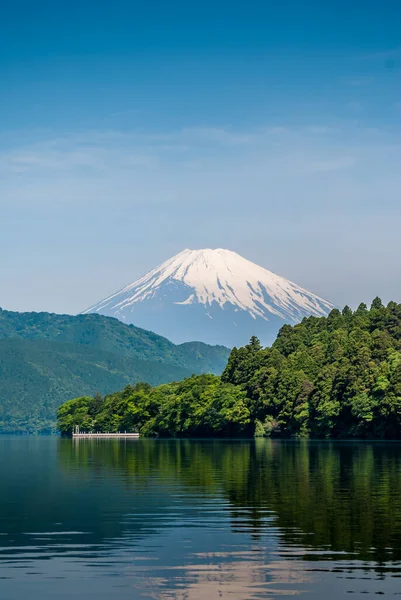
[
  {"x": 46, "y": 359},
  {"x": 337, "y": 376},
  {"x": 110, "y": 335}
]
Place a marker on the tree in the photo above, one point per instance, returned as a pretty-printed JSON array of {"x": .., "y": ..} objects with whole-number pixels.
[
  {"x": 347, "y": 312},
  {"x": 95, "y": 405},
  {"x": 377, "y": 304},
  {"x": 362, "y": 308},
  {"x": 254, "y": 344}
]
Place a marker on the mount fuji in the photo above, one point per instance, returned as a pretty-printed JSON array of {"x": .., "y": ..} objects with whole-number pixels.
[{"x": 214, "y": 296}]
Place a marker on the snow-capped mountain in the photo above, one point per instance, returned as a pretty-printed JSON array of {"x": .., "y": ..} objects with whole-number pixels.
[{"x": 215, "y": 296}]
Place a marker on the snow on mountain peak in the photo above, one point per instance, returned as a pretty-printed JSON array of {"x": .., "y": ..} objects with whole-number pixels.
[{"x": 220, "y": 278}]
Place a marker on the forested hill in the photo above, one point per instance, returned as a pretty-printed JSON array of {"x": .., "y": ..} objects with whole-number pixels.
[
  {"x": 110, "y": 335},
  {"x": 36, "y": 376},
  {"x": 337, "y": 376},
  {"x": 45, "y": 359}
]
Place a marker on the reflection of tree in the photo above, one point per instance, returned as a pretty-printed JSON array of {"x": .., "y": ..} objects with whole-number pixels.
[{"x": 326, "y": 496}]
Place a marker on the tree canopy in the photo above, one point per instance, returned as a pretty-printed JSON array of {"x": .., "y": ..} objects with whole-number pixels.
[
  {"x": 338, "y": 376},
  {"x": 197, "y": 406}
]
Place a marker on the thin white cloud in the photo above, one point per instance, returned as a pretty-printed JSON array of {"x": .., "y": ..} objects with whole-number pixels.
[
  {"x": 355, "y": 105},
  {"x": 217, "y": 135},
  {"x": 336, "y": 164},
  {"x": 384, "y": 54},
  {"x": 104, "y": 150},
  {"x": 359, "y": 81},
  {"x": 216, "y": 163}
]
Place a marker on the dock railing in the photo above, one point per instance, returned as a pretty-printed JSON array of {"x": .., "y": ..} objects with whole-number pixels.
[{"x": 95, "y": 434}]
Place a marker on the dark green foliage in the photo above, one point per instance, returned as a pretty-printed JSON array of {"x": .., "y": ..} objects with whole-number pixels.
[
  {"x": 197, "y": 406},
  {"x": 331, "y": 377},
  {"x": 46, "y": 359},
  {"x": 338, "y": 376}
]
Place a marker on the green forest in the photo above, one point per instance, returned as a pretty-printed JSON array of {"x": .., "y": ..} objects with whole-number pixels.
[
  {"x": 45, "y": 359},
  {"x": 332, "y": 377},
  {"x": 107, "y": 334}
]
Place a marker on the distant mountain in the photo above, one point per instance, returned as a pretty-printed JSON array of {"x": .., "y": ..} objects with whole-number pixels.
[
  {"x": 212, "y": 295},
  {"x": 38, "y": 375},
  {"x": 46, "y": 359}
]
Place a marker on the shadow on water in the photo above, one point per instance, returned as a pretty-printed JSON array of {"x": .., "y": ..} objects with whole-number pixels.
[{"x": 184, "y": 502}]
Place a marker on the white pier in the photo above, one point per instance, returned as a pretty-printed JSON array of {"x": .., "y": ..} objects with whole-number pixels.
[
  {"x": 95, "y": 435},
  {"x": 105, "y": 435}
]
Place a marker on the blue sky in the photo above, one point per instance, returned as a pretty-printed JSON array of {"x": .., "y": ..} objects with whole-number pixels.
[{"x": 129, "y": 131}]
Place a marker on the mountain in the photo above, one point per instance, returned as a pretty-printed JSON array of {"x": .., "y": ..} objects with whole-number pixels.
[
  {"x": 38, "y": 375},
  {"x": 46, "y": 359},
  {"x": 111, "y": 335},
  {"x": 216, "y": 296}
]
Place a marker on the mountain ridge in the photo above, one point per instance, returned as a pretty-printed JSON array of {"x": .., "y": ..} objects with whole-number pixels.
[
  {"x": 110, "y": 334},
  {"x": 178, "y": 297},
  {"x": 46, "y": 359}
]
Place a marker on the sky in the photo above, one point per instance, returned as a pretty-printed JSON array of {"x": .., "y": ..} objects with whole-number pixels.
[{"x": 132, "y": 130}]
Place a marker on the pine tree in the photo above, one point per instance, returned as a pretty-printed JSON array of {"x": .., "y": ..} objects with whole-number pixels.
[
  {"x": 347, "y": 312},
  {"x": 377, "y": 303},
  {"x": 254, "y": 344}
]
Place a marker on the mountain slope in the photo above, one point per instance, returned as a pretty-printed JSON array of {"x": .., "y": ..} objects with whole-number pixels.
[
  {"x": 46, "y": 359},
  {"x": 111, "y": 335},
  {"x": 212, "y": 295},
  {"x": 36, "y": 376}
]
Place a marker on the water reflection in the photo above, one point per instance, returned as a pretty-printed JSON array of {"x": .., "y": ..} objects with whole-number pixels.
[{"x": 200, "y": 519}]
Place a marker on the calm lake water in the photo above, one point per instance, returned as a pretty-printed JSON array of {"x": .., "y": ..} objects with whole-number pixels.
[{"x": 198, "y": 519}]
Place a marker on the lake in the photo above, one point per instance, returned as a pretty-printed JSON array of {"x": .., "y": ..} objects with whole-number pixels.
[{"x": 195, "y": 519}]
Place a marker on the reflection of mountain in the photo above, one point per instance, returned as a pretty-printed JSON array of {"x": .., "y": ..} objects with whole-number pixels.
[{"x": 321, "y": 496}]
